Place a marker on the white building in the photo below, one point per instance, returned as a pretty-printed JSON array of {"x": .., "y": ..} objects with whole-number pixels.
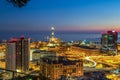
[
  {"x": 18, "y": 54},
  {"x": 10, "y": 56}
]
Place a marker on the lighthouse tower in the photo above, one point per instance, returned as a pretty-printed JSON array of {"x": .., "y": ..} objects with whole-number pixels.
[
  {"x": 52, "y": 34},
  {"x": 53, "y": 41}
]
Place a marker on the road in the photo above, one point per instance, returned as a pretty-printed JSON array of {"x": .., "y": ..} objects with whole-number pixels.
[{"x": 88, "y": 59}]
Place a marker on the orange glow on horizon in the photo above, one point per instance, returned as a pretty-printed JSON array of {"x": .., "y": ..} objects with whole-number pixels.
[{"x": 90, "y": 28}]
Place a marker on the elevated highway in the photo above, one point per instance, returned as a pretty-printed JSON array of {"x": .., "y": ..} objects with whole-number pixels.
[{"x": 94, "y": 64}]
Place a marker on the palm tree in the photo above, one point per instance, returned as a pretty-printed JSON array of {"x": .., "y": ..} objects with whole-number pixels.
[{"x": 18, "y": 3}]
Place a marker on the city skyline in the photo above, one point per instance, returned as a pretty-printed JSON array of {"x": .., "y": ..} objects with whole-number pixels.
[{"x": 64, "y": 15}]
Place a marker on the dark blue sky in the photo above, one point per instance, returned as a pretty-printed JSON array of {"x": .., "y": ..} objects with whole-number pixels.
[{"x": 68, "y": 15}]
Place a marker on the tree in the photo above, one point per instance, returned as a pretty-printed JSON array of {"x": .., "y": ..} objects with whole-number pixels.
[{"x": 19, "y": 3}]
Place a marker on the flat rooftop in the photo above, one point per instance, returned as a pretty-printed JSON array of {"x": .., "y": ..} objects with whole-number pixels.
[{"x": 60, "y": 60}]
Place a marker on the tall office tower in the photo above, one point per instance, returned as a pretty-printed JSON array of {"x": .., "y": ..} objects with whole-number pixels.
[
  {"x": 115, "y": 33},
  {"x": 113, "y": 36},
  {"x": 109, "y": 40},
  {"x": 17, "y": 54},
  {"x": 104, "y": 40}
]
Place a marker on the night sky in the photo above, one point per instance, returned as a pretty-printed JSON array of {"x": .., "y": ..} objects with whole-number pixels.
[{"x": 64, "y": 15}]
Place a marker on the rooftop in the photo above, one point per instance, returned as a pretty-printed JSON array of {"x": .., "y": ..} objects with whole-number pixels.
[
  {"x": 60, "y": 60},
  {"x": 42, "y": 51}
]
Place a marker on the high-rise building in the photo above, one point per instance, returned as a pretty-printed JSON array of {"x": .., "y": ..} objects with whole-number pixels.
[
  {"x": 17, "y": 54},
  {"x": 114, "y": 34},
  {"x": 104, "y": 40},
  {"x": 109, "y": 41}
]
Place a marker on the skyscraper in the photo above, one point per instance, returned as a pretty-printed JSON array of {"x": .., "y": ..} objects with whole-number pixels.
[
  {"x": 109, "y": 41},
  {"x": 17, "y": 54}
]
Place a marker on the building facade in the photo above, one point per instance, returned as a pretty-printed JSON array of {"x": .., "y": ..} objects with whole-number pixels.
[
  {"x": 36, "y": 55},
  {"x": 17, "y": 54},
  {"x": 53, "y": 68}
]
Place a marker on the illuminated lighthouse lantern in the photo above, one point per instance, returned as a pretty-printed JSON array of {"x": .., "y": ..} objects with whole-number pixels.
[
  {"x": 52, "y": 29},
  {"x": 53, "y": 41}
]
